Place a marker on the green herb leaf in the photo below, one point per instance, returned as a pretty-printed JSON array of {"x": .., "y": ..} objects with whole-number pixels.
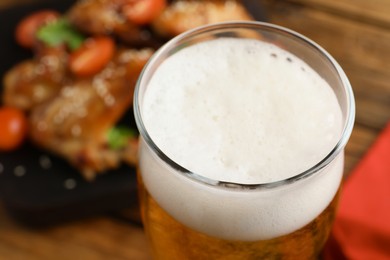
[
  {"x": 119, "y": 136},
  {"x": 58, "y": 32}
]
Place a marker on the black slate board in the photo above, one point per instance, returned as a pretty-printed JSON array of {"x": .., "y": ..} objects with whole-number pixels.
[{"x": 56, "y": 192}]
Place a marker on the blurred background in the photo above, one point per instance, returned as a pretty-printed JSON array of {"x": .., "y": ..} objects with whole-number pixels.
[{"x": 355, "y": 32}]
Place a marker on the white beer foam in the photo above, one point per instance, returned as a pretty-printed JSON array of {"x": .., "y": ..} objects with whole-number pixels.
[{"x": 240, "y": 111}]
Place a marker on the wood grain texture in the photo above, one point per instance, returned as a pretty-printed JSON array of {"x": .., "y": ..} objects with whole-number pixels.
[
  {"x": 375, "y": 12},
  {"x": 355, "y": 32},
  {"x": 98, "y": 238}
]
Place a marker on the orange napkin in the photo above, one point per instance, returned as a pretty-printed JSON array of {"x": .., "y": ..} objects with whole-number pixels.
[{"x": 362, "y": 226}]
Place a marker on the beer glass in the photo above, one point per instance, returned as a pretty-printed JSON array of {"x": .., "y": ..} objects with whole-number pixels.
[{"x": 187, "y": 215}]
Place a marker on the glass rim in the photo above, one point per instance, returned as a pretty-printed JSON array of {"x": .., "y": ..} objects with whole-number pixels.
[{"x": 345, "y": 135}]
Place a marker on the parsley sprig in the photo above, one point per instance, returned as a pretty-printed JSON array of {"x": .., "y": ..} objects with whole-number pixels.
[
  {"x": 59, "y": 32},
  {"x": 119, "y": 136}
]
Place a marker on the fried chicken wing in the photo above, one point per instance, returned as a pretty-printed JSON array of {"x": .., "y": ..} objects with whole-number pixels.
[
  {"x": 74, "y": 124},
  {"x": 34, "y": 81},
  {"x": 181, "y": 16},
  {"x": 105, "y": 17}
]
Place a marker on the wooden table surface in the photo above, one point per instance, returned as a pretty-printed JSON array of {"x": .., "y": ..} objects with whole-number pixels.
[{"x": 355, "y": 32}]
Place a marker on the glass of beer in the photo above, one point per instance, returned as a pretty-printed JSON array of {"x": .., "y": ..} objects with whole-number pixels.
[{"x": 243, "y": 127}]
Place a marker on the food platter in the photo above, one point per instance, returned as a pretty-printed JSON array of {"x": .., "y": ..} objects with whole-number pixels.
[{"x": 38, "y": 188}]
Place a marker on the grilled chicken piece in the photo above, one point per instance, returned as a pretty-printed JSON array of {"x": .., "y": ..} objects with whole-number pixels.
[
  {"x": 34, "y": 81},
  {"x": 74, "y": 124},
  {"x": 105, "y": 17},
  {"x": 181, "y": 16}
]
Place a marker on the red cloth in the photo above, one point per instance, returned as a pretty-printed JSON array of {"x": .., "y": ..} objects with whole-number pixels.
[{"x": 362, "y": 226}]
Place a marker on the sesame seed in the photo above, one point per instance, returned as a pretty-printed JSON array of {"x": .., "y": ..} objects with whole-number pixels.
[
  {"x": 42, "y": 126},
  {"x": 109, "y": 100},
  {"x": 76, "y": 130}
]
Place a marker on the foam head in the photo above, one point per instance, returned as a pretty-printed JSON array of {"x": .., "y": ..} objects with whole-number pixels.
[{"x": 242, "y": 111}]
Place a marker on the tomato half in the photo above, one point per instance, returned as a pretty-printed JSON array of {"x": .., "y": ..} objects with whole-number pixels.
[
  {"x": 27, "y": 28},
  {"x": 143, "y": 11},
  {"x": 92, "y": 56},
  {"x": 13, "y": 128}
]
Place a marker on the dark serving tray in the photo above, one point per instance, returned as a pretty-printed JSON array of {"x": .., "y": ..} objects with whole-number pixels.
[{"x": 38, "y": 188}]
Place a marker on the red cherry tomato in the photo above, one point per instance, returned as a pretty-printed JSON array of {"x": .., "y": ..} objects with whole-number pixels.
[
  {"x": 143, "y": 11},
  {"x": 13, "y": 128},
  {"x": 27, "y": 28},
  {"x": 92, "y": 56}
]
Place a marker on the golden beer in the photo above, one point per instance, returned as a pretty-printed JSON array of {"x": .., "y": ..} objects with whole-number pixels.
[
  {"x": 243, "y": 127},
  {"x": 169, "y": 239}
]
